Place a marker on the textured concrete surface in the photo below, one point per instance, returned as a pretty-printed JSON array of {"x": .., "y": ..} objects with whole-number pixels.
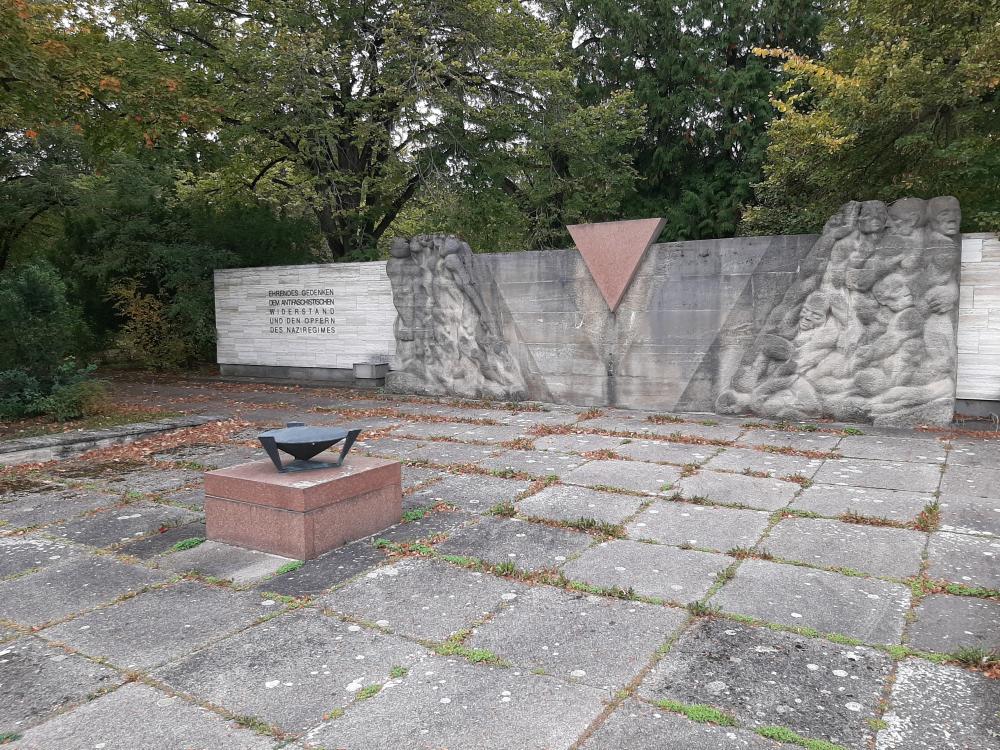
[
  {"x": 579, "y": 637},
  {"x": 820, "y": 690},
  {"x": 699, "y": 526},
  {"x": 873, "y": 550},
  {"x": 281, "y": 651},
  {"x": 940, "y": 707},
  {"x": 529, "y": 546},
  {"x": 863, "y": 608},
  {"x": 652, "y": 570}
]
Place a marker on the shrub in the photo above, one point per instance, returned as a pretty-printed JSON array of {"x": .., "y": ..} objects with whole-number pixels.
[
  {"x": 19, "y": 394},
  {"x": 75, "y": 400},
  {"x": 41, "y": 328},
  {"x": 147, "y": 336}
]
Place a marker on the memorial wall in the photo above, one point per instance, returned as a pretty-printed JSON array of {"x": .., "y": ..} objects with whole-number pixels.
[{"x": 543, "y": 330}]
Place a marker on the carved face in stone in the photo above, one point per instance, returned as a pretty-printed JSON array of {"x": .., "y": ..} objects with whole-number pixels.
[
  {"x": 945, "y": 215},
  {"x": 905, "y": 216},
  {"x": 399, "y": 248},
  {"x": 893, "y": 292},
  {"x": 844, "y": 221},
  {"x": 814, "y": 312},
  {"x": 873, "y": 217},
  {"x": 452, "y": 246}
]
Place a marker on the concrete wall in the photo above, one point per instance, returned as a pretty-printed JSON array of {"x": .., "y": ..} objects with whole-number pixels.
[
  {"x": 673, "y": 342},
  {"x": 316, "y": 316},
  {"x": 676, "y": 337},
  {"x": 979, "y": 318}
]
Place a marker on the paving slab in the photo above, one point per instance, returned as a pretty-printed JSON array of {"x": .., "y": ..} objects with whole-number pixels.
[
  {"x": 864, "y": 608},
  {"x": 978, "y": 481},
  {"x": 149, "y": 480},
  {"x": 322, "y": 573},
  {"x": 431, "y": 430},
  {"x": 835, "y": 500},
  {"x": 821, "y": 690},
  {"x": 653, "y": 570},
  {"x": 635, "y": 476},
  {"x": 946, "y": 623},
  {"x": 940, "y": 707},
  {"x": 638, "y": 726},
  {"x": 968, "y": 514},
  {"x": 453, "y": 704},
  {"x": 916, "y": 450},
  {"x": 40, "y": 508},
  {"x": 658, "y": 451},
  {"x": 441, "y": 453},
  {"x": 699, "y": 526},
  {"x": 670, "y": 430},
  {"x": 112, "y": 723},
  {"x": 737, "y": 489},
  {"x": 292, "y": 670},
  {"x": 472, "y": 492},
  {"x": 578, "y": 443},
  {"x": 432, "y": 524},
  {"x": 530, "y": 546},
  {"x": 73, "y": 584},
  {"x": 415, "y": 476},
  {"x": 19, "y": 554},
  {"x": 149, "y": 547},
  {"x": 122, "y": 524},
  {"x": 567, "y": 502},
  {"x": 192, "y": 498},
  {"x": 581, "y": 637},
  {"x": 224, "y": 561},
  {"x": 885, "y": 475},
  {"x": 873, "y": 550},
  {"x": 423, "y": 598},
  {"x": 496, "y": 433},
  {"x": 214, "y": 456},
  {"x": 970, "y": 452},
  {"x": 969, "y": 560},
  {"x": 774, "y": 464},
  {"x": 800, "y": 441},
  {"x": 161, "y": 625},
  {"x": 390, "y": 447},
  {"x": 36, "y": 680},
  {"x": 536, "y": 463}
]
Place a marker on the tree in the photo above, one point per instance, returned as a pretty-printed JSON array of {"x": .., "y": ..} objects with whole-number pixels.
[
  {"x": 706, "y": 95},
  {"x": 351, "y": 107},
  {"x": 904, "y": 103}
]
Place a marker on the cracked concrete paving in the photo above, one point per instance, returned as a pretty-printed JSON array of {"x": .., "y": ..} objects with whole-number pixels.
[{"x": 559, "y": 624}]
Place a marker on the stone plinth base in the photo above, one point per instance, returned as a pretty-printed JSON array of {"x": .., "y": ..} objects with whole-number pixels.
[{"x": 302, "y": 514}]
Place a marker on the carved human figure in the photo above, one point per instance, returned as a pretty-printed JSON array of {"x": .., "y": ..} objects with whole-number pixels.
[
  {"x": 448, "y": 339},
  {"x": 875, "y": 337}
]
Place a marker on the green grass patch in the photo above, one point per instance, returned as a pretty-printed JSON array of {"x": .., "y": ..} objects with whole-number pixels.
[
  {"x": 398, "y": 673},
  {"x": 415, "y": 514},
  {"x": 781, "y": 734},
  {"x": 368, "y": 691},
  {"x": 504, "y": 510},
  {"x": 288, "y": 567},
  {"x": 6, "y": 737},
  {"x": 852, "y": 431},
  {"x": 698, "y": 712},
  {"x": 189, "y": 543}
]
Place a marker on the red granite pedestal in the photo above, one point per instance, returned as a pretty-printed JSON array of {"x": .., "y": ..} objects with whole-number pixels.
[{"x": 302, "y": 514}]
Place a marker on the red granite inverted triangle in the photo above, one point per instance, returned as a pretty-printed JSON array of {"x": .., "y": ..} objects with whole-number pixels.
[{"x": 613, "y": 250}]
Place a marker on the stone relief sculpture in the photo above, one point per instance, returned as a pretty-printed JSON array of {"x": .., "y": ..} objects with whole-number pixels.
[
  {"x": 448, "y": 341},
  {"x": 867, "y": 331}
]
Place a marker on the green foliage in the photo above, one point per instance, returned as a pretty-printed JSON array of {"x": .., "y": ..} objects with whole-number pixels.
[
  {"x": 289, "y": 567},
  {"x": 189, "y": 543},
  {"x": 706, "y": 96},
  {"x": 903, "y": 103},
  {"x": 700, "y": 713},
  {"x": 41, "y": 328},
  {"x": 74, "y": 394},
  {"x": 781, "y": 734}
]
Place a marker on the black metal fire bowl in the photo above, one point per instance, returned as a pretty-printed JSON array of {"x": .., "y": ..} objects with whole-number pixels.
[{"x": 303, "y": 442}]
